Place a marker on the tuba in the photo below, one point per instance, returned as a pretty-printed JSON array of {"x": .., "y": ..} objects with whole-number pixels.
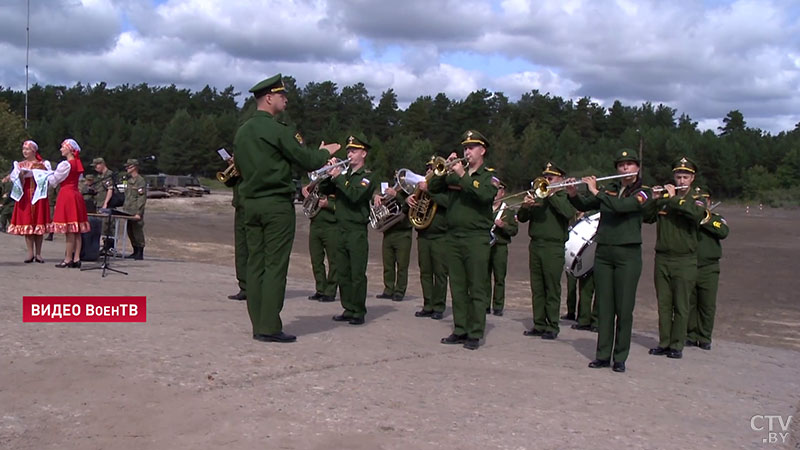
[
  {"x": 311, "y": 202},
  {"x": 389, "y": 212}
]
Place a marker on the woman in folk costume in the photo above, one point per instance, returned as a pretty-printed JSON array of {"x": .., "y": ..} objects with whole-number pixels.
[
  {"x": 31, "y": 211},
  {"x": 70, "y": 213}
]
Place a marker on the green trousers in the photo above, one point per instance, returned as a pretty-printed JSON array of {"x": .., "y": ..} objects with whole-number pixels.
[
  {"x": 617, "y": 269},
  {"x": 674, "y": 278},
  {"x": 432, "y": 258},
  {"x": 498, "y": 267},
  {"x": 270, "y": 226},
  {"x": 351, "y": 269},
  {"x": 467, "y": 266},
  {"x": 136, "y": 232},
  {"x": 322, "y": 239},
  {"x": 546, "y": 263},
  {"x": 240, "y": 247},
  {"x": 703, "y": 304},
  {"x": 396, "y": 256},
  {"x": 586, "y": 307}
]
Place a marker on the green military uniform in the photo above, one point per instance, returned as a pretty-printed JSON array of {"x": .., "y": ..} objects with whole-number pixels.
[
  {"x": 265, "y": 150},
  {"x": 135, "y": 200},
  {"x": 469, "y": 219},
  {"x": 432, "y": 251},
  {"x": 703, "y": 302},
  {"x": 6, "y": 205},
  {"x": 675, "y": 269},
  {"x": 353, "y": 195},
  {"x": 104, "y": 182},
  {"x": 396, "y": 251},
  {"x": 323, "y": 237},
  {"x": 549, "y": 219},
  {"x": 239, "y": 238},
  {"x": 86, "y": 188},
  {"x": 617, "y": 261},
  {"x": 498, "y": 256}
]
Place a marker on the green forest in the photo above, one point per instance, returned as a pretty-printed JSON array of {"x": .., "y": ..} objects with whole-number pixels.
[{"x": 183, "y": 129}]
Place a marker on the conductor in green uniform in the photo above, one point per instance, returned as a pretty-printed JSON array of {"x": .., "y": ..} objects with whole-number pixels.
[
  {"x": 678, "y": 212},
  {"x": 353, "y": 194},
  {"x": 618, "y": 258},
  {"x": 239, "y": 236},
  {"x": 135, "y": 200},
  {"x": 703, "y": 302},
  {"x": 503, "y": 229},
  {"x": 323, "y": 236},
  {"x": 396, "y": 248},
  {"x": 469, "y": 220},
  {"x": 265, "y": 150},
  {"x": 549, "y": 219}
]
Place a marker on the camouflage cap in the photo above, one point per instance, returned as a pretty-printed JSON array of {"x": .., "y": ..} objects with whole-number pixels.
[
  {"x": 551, "y": 169},
  {"x": 474, "y": 137},
  {"x": 131, "y": 162},
  {"x": 358, "y": 141},
  {"x": 271, "y": 85},
  {"x": 626, "y": 155},
  {"x": 98, "y": 161},
  {"x": 684, "y": 165}
]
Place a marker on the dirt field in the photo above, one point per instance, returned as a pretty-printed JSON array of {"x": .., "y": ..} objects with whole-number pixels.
[{"x": 191, "y": 377}]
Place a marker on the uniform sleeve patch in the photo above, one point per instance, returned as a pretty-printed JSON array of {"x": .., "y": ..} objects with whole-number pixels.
[
  {"x": 700, "y": 203},
  {"x": 476, "y": 184},
  {"x": 365, "y": 182},
  {"x": 641, "y": 197},
  {"x": 299, "y": 138},
  {"x": 141, "y": 191}
]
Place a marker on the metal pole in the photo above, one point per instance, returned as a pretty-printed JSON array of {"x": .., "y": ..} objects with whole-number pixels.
[{"x": 27, "y": 54}]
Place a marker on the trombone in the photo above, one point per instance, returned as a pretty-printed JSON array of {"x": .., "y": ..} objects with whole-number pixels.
[{"x": 542, "y": 188}]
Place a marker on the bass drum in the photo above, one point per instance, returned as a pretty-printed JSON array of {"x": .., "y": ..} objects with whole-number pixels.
[{"x": 580, "y": 247}]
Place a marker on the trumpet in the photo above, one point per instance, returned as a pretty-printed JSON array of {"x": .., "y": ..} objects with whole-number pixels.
[
  {"x": 311, "y": 203},
  {"x": 324, "y": 171},
  {"x": 542, "y": 188},
  {"x": 230, "y": 172},
  {"x": 442, "y": 166}
]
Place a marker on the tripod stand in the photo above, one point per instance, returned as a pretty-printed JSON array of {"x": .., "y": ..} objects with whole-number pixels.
[{"x": 107, "y": 249}]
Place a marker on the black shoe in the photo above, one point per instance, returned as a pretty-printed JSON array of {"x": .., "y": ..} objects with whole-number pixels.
[
  {"x": 386, "y": 296},
  {"x": 239, "y": 296},
  {"x": 28, "y": 261},
  {"x": 342, "y": 318},
  {"x": 599, "y": 363},
  {"x": 455, "y": 339},
  {"x": 533, "y": 332},
  {"x": 472, "y": 344},
  {"x": 549, "y": 336},
  {"x": 397, "y": 298},
  {"x": 488, "y": 310},
  {"x": 581, "y": 327},
  {"x": 356, "y": 321},
  {"x": 277, "y": 337},
  {"x": 423, "y": 313},
  {"x": 437, "y": 315},
  {"x": 675, "y": 354},
  {"x": 316, "y": 296},
  {"x": 658, "y": 351},
  {"x": 63, "y": 264},
  {"x": 619, "y": 366},
  {"x": 498, "y": 312},
  {"x": 326, "y": 299},
  {"x": 690, "y": 343},
  {"x": 38, "y": 259},
  {"x": 568, "y": 317},
  {"x": 75, "y": 265},
  {"x": 704, "y": 345}
]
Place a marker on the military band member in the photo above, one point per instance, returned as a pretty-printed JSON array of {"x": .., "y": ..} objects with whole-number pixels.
[
  {"x": 6, "y": 203},
  {"x": 618, "y": 258},
  {"x": 86, "y": 188},
  {"x": 549, "y": 219},
  {"x": 469, "y": 220},
  {"x": 396, "y": 249},
  {"x": 265, "y": 150},
  {"x": 353, "y": 194},
  {"x": 678, "y": 214},
  {"x": 323, "y": 236},
  {"x": 432, "y": 250},
  {"x": 239, "y": 236},
  {"x": 135, "y": 200},
  {"x": 703, "y": 302},
  {"x": 104, "y": 187},
  {"x": 503, "y": 229}
]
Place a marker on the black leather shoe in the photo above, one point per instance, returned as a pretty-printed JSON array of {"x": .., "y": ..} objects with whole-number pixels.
[
  {"x": 437, "y": 315},
  {"x": 75, "y": 265},
  {"x": 581, "y": 327},
  {"x": 38, "y": 259},
  {"x": 658, "y": 351},
  {"x": 533, "y": 332},
  {"x": 327, "y": 299},
  {"x": 316, "y": 296},
  {"x": 472, "y": 344},
  {"x": 568, "y": 317},
  {"x": 675, "y": 354},
  {"x": 28, "y": 261},
  {"x": 549, "y": 336},
  {"x": 386, "y": 296},
  {"x": 704, "y": 345},
  {"x": 455, "y": 339},
  {"x": 277, "y": 337},
  {"x": 423, "y": 313},
  {"x": 397, "y": 298},
  {"x": 63, "y": 264},
  {"x": 498, "y": 312},
  {"x": 599, "y": 363},
  {"x": 341, "y": 318},
  {"x": 356, "y": 321},
  {"x": 619, "y": 366},
  {"x": 239, "y": 296},
  {"x": 690, "y": 343}
]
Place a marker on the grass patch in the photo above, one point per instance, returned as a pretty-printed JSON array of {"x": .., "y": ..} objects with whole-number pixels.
[{"x": 213, "y": 184}]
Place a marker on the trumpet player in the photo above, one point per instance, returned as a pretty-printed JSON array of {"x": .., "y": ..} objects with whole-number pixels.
[
  {"x": 239, "y": 236},
  {"x": 678, "y": 216},
  {"x": 396, "y": 247},
  {"x": 503, "y": 229},
  {"x": 469, "y": 219},
  {"x": 549, "y": 219},
  {"x": 353, "y": 194}
]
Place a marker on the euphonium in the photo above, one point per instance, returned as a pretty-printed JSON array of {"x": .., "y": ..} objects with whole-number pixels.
[
  {"x": 230, "y": 172},
  {"x": 389, "y": 212},
  {"x": 421, "y": 214}
]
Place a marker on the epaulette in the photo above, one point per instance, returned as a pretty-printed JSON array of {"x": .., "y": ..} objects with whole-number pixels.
[{"x": 490, "y": 169}]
